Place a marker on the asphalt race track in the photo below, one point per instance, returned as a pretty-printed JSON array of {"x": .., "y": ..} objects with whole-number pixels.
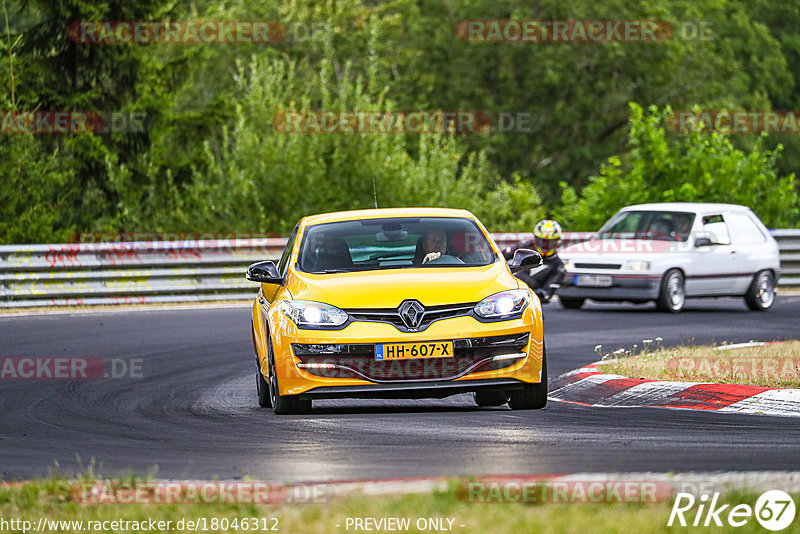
[{"x": 193, "y": 413}]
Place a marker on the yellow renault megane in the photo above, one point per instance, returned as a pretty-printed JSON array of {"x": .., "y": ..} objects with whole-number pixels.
[{"x": 396, "y": 303}]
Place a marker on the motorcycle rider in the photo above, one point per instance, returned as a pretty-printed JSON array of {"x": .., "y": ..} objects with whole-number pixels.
[{"x": 545, "y": 280}]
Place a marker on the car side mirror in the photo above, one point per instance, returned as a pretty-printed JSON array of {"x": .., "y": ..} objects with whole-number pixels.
[
  {"x": 703, "y": 242},
  {"x": 264, "y": 272},
  {"x": 525, "y": 259}
]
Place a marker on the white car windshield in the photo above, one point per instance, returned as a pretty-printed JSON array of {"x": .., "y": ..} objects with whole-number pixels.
[
  {"x": 394, "y": 243},
  {"x": 655, "y": 225}
]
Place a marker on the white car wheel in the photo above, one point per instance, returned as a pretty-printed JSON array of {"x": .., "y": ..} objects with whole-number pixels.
[
  {"x": 672, "y": 297},
  {"x": 761, "y": 294}
]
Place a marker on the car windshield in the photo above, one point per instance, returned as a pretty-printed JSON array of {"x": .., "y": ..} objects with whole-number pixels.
[
  {"x": 394, "y": 243},
  {"x": 656, "y": 225}
]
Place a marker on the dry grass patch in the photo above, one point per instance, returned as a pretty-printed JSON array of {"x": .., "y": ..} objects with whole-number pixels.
[{"x": 769, "y": 365}]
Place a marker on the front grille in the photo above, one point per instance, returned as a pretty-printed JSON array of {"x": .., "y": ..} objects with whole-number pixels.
[
  {"x": 357, "y": 360},
  {"x": 598, "y": 265},
  {"x": 392, "y": 316}
]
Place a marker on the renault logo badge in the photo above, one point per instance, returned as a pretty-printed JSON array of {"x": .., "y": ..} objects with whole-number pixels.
[{"x": 411, "y": 312}]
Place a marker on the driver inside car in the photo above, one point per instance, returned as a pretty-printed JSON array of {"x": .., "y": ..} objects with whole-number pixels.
[
  {"x": 662, "y": 229},
  {"x": 431, "y": 246},
  {"x": 326, "y": 252}
]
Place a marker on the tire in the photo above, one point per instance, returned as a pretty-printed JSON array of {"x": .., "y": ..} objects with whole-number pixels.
[
  {"x": 761, "y": 294},
  {"x": 532, "y": 396},
  {"x": 282, "y": 404},
  {"x": 571, "y": 303},
  {"x": 672, "y": 295},
  {"x": 490, "y": 398},
  {"x": 262, "y": 388}
]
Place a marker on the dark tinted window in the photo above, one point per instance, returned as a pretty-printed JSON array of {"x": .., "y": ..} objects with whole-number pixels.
[
  {"x": 656, "y": 225},
  {"x": 395, "y": 243}
]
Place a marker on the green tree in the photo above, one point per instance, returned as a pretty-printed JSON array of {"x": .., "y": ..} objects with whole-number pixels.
[
  {"x": 696, "y": 167},
  {"x": 577, "y": 93},
  {"x": 259, "y": 177}
]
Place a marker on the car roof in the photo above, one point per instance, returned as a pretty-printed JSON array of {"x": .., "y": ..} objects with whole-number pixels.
[
  {"x": 687, "y": 206},
  {"x": 384, "y": 212}
]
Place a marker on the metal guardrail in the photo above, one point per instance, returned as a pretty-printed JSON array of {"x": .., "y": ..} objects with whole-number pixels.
[
  {"x": 186, "y": 271},
  {"x": 130, "y": 272},
  {"x": 789, "y": 243}
]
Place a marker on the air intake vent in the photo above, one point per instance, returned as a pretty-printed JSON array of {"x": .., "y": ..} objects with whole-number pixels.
[{"x": 598, "y": 265}]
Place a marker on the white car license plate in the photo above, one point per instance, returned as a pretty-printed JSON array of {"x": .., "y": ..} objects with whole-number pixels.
[{"x": 593, "y": 280}]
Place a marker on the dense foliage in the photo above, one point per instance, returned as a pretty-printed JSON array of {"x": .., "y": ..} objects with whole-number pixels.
[
  {"x": 683, "y": 168},
  {"x": 211, "y": 158}
]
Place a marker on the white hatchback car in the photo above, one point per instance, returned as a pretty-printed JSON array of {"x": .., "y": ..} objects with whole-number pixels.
[{"x": 667, "y": 252}]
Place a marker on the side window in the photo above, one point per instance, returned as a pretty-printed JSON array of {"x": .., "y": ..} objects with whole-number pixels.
[
  {"x": 745, "y": 231},
  {"x": 629, "y": 224},
  {"x": 283, "y": 264},
  {"x": 717, "y": 229}
]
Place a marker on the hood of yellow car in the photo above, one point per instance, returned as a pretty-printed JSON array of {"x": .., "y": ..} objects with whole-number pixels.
[{"x": 387, "y": 288}]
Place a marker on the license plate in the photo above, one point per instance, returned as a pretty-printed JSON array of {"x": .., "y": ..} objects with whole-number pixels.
[
  {"x": 593, "y": 280},
  {"x": 404, "y": 351}
]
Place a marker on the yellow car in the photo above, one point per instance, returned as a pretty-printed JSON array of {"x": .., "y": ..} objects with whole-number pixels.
[{"x": 396, "y": 303}]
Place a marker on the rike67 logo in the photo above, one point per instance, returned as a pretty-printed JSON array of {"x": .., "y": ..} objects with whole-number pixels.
[{"x": 774, "y": 510}]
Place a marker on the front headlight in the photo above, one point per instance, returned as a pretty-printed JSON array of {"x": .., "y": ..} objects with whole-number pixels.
[
  {"x": 309, "y": 314},
  {"x": 503, "y": 304},
  {"x": 637, "y": 265},
  {"x": 568, "y": 265}
]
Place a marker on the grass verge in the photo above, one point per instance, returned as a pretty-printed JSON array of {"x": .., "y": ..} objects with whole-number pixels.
[
  {"x": 769, "y": 365},
  {"x": 55, "y": 500}
]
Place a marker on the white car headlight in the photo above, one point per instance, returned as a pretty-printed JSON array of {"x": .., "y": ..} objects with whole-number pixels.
[
  {"x": 568, "y": 265},
  {"x": 637, "y": 265},
  {"x": 503, "y": 304},
  {"x": 309, "y": 314}
]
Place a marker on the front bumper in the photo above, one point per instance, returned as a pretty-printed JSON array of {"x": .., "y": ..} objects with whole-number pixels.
[
  {"x": 470, "y": 355},
  {"x": 413, "y": 390},
  {"x": 473, "y": 365},
  {"x": 623, "y": 287}
]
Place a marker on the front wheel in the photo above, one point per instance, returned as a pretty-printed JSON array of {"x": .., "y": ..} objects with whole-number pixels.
[
  {"x": 571, "y": 303},
  {"x": 532, "y": 396},
  {"x": 262, "y": 388},
  {"x": 672, "y": 296},
  {"x": 761, "y": 294},
  {"x": 283, "y": 404},
  {"x": 490, "y": 398}
]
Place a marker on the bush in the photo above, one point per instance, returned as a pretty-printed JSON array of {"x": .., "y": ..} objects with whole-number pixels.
[
  {"x": 696, "y": 167},
  {"x": 261, "y": 178}
]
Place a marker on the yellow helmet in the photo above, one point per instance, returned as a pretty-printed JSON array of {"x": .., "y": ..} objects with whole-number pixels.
[{"x": 547, "y": 237}]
